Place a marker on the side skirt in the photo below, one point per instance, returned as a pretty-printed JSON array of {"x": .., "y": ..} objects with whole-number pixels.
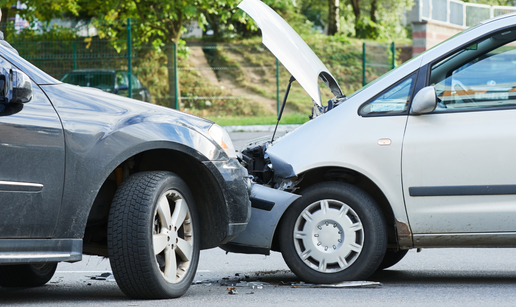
[{"x": 19, "y": 251}]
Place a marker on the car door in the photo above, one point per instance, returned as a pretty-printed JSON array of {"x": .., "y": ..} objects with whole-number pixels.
[
  {"x": 31, "y": 167},
  {"x": 459, "y": 161}
]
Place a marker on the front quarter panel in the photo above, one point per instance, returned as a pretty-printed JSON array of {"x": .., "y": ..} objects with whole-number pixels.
[
  {"x": 103, "y": 130},
  {"x": 342, "y": 138}
]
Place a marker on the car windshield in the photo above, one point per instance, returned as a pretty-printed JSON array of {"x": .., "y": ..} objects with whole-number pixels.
[{"x": 98, "y": 80}]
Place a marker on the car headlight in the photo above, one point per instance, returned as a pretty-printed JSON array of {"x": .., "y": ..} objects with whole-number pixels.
[{"x": 221, "y": 137}]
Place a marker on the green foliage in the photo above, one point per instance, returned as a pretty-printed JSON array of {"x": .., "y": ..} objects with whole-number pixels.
[
  {"x": 289, "y": 119},
  {"x": 152, "y": 71},
  {"x": 42, "y": 10}
]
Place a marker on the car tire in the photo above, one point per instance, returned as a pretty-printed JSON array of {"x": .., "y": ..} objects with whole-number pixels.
[
  {"x": 153, "y": 236},
  {"x": 26, "y": 275},
  {"x": 333, "y": 233},
  {"x": 391, "y": 258}
]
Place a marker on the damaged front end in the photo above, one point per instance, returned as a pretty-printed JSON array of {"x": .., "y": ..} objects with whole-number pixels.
[
  {"x": 272, "y": 192},
  {"x": 274, "y": 179}
]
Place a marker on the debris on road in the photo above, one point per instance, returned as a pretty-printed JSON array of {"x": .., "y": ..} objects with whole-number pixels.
[
  {"x": 253, "y": 284},
  {"x": 104, "y": 276},
  {"x": 202, "y": 282},
  {"x": 232, "y": 290},
  {"x": 344, "y": 284}
]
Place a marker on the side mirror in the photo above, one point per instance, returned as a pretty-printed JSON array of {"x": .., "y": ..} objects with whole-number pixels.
[
  {"x": 15, "y": 87},
  {"x": 424, "y": 102},
  {"x": 123, "y": 87}
]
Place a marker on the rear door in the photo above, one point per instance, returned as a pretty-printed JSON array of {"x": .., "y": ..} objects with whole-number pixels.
[{"x": 31, "y": 166}]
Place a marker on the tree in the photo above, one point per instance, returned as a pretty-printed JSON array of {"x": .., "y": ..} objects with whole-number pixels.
[
  {"x": 31, "y": 10},
  {"x": 333, "y": 17},
  {"x": 160, "y": 23}
]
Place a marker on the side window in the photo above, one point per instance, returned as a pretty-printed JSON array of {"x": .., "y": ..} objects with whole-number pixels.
[
  {"x": 393, "y": 101},
  {"x": 121, "y": 79},
  {"x": 481, "y": 76},
  {"x": 135, "y": 83}
]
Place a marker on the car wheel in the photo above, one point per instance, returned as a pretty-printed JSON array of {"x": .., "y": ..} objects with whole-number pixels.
[
  {"x": 153, "y": 240},
  {"x": 391, "y": 258},
  {"x": 334, "y": 232},
  {"x": 26, "y": 275}
]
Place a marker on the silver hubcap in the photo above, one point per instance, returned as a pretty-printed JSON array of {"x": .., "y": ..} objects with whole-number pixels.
[
  {"x": 328, "y": 236},
  {"x": 173, "y": 236}
]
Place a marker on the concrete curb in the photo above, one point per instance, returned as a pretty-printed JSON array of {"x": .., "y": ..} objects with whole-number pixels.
[{"x": 260, "y": 128}]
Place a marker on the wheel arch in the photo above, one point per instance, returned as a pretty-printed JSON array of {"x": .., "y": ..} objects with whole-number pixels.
[
  {"x": 181, "y": 160},
  {"x": 357, "y": 179}
]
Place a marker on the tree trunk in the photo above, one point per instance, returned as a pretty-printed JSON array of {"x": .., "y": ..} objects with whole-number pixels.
[
  {"x": 333, "y": 17},
  {"x": 3, "y": 21},
  {"x": 374, "y": 7},
  {"x": 173, "y": 83},
  {"x": 355, "y": 4}
]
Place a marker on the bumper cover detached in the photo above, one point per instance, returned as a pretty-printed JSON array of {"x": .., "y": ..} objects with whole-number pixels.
[
  {"x": 268, "y": 206},
  {"x": 235, "y": 185}
]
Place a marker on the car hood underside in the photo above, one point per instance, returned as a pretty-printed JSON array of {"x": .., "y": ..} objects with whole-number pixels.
[{"x": 291, "y": 50}]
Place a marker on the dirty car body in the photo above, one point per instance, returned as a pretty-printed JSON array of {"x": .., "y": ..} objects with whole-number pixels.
[
  {"x": 87, "y": 172},
  {"x": 420, "y": 158}
]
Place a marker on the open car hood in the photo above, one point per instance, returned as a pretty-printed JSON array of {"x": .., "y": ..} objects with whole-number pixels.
[{"x": 291, "y": 50}]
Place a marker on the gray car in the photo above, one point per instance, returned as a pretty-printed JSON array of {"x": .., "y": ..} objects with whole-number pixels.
[
  {"x": 87, "y": 172},
  {"x": 109, "y": 80},
  {"x": 423, "y": 157}
]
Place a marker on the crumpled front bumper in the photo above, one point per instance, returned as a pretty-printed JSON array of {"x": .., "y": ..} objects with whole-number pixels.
[
  {"x": 268, "y": 206},
  {"x": 235, "y": 185}
]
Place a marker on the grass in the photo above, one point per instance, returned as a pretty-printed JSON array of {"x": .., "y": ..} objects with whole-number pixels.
[{"x": 258, "y": 120}]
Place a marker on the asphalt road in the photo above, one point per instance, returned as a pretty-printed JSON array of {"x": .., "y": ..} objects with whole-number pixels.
[{"x": 449, "y": 277}]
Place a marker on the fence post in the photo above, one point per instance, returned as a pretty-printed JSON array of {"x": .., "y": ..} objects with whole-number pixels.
[
  {"x": 277, "y": 86},
  {"x": 393, "y": 50},
  {"x": 363, "y": 65},
  {"x": 74, "y": 55},
  {"x": 176, "y": 99},
  {"x": 129, "y": 66}
]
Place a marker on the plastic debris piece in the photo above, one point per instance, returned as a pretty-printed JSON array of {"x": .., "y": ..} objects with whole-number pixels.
[
  {"x": 252, "y": 284},
  {"x": 232, "y": 290},
  {"x": 344, "y": 284},
  {"x": 104, "y": 276}
]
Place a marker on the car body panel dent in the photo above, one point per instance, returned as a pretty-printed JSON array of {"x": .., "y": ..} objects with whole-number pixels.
[{"x": 103, "y": 131}]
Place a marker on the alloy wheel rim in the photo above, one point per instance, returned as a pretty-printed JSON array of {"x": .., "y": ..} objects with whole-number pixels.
[{"x": 172, "y": 236}]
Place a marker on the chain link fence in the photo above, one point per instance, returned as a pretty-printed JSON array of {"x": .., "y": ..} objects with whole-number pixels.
[{"x": 214, "y": 78}]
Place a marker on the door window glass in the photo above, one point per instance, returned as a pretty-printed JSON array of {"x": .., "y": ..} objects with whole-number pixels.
[
  {"x": 121, "y": 80},
  {"x": 135, "y": 83},
  {"x": 481, "y": 76}
]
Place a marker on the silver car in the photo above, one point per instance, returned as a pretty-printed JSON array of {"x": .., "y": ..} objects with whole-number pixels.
[{"x": 424, "y": 157}]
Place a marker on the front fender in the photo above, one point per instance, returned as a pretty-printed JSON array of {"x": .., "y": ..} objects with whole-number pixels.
[{"x": 102, "y": 131}]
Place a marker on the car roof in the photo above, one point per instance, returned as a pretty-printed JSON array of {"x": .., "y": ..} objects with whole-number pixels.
[{"x": 92, "y": 70}]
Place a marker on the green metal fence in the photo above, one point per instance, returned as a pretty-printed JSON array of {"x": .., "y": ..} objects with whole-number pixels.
[
  {"x": 215, "y": 78},
  {"x": 377, "y": 59}
]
